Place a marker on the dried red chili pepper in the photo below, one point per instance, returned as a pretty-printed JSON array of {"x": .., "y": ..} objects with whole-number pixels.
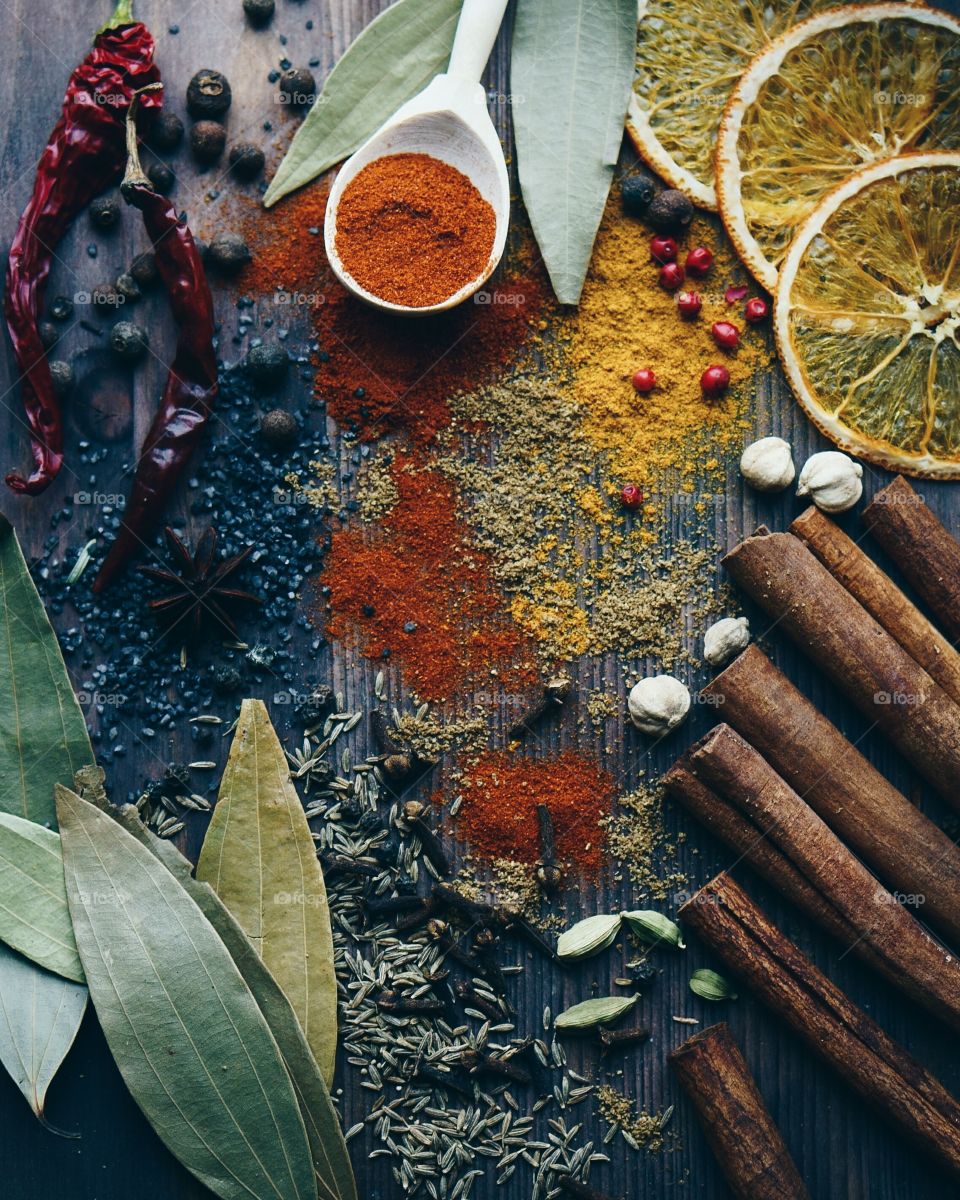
[
  {"x": 84, "y": 154},
  {"x": 192, "y": 381}
]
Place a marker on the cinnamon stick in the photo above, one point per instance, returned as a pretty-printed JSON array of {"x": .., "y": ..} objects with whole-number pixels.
[
  {"x": 747, "y": 840},
  {"x": 907, "y": 850},
  {"x": 740, "y": 1131},
  {"x": 838, "y": 633},
  {"x": 924, "y": 550},
  {"x": 834, "y": 1028},
  {"x": 881, "y": 597},
  {"x": 878, "y": 928}
]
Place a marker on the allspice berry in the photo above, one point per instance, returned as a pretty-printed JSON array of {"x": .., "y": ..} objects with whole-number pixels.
[
  {"x": 228, "y": 252},
  {"x": 246, "y": 160},
  {"x": 128, "y": 341},
  {"x": 61, "y": 373},
  {"x": 161, "y": 177},
  {"x": 144, "y": 269},
  {"x": 637, "y": 192},
  {"x": 207, "y": 140},
  {"x": 104, "y": 212},
  {"x": 279, "y": 429},
  {"x": 298, "y": 87},
  {"x": 670, "y": 212},
  {"x": 259, "y": 12},
  {"x": 208, "y": 94},
  {"x": 165, "y": 132},
  {"x": 128, "y": 288},
  {"x": 268, "y": 364}
]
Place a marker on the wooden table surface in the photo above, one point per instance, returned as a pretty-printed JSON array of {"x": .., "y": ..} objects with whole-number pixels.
[{"x": 843, "y": 1151}]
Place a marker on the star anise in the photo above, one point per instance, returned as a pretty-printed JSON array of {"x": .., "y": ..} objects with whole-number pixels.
[{"x": 201, "y": 597}]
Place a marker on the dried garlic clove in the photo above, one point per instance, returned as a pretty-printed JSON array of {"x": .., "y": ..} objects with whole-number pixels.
[
  {"x": 658, "y": 704},
  {"x": 767, "y": 465},
  {"x": 725, "y": 638},
  {"x": 833, "y": 481}
]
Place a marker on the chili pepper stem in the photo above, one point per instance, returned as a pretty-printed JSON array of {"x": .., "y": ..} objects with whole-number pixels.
[
  {"x": 134, "y": 175},
  {"x": 122, "y": 15}
]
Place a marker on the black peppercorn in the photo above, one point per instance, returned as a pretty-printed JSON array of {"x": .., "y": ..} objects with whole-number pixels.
[
  {"x": 49, "y": 333},
  {"x": 298, "y": 87},
  {"x": 144, "y": 269},
  {"x": 207, "y": 140},
  {"x": 208, "y": 94},
  {"x": 228, "y": 252},
  {"x": 128, "y": 341},
  {"x": 61, "y": 373},
  {"x": 246, "y": 160},
  {"x": 62, "y": 308},
  {"x": 278, "y": 429},
  {"x": 670, "y": 212},
  {"x": 105, "y": 212},
  {"x": 161, "y": 177},
  {"x": 259, "y": 12},
  {"x": 128, "y": 288},
  {"x": 267, "y": 364},
  {"x": 637, "y": 192},
  {"x": 165, "y": 132},
  {"x": 226, "y": 679}
]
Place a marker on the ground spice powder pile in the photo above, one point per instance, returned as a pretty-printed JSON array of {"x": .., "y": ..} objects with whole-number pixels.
[
  {"x": 501, "y": 791},
  {"x": 417, "y": 587},
  {"x": 413, "y": 230}
]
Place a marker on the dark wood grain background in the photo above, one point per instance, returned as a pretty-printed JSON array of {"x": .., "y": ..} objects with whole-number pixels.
[{"x": 843, "y": 1151}]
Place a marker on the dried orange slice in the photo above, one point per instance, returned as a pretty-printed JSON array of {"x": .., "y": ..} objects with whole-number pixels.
[
  {"x": 845, "y": 88},
  {"x": 867, "y": 314},
  {"x": 689, "y": 58}
]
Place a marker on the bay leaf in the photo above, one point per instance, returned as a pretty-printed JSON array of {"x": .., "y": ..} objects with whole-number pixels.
[
  {"x": 43, "y": 741},
  {"x": 34, "y": 916},
  {"x": 184, "y": 1029},
  {"x": 571, "y": 72},
  {"x": 260, "y": 859},
  {"x": 40, "y": 1014},
  {"x": 331, "y": 1159},
  {"x": 393, "y": 59},
  {"x": 43, "y": 736},
  {"x": 599, "y": 1011}
]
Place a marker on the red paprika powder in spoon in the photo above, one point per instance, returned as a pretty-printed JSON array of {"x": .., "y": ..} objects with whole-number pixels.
[{"x": 413, "y": 230}]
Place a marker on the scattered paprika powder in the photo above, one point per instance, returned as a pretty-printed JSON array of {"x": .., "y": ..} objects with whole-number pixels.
[
  {"x": 413, "y": 230},
  {"x": 501, "y": 792},
  {"x": 417, "y": 587}
]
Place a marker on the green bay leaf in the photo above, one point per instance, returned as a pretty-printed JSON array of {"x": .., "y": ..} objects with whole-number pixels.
[
  {"x": 34, "y": 915},
  {"x": 43, "y": 741},
  {"x": 331, "y": 1159},
  {"x": 184, "y": 1029},
  {"x": 393, "y": 59},
  {"x": 571, "y": 75},
  {"x": 43, "y": 736},
  {"x": 40, "y": 1014},
  {"x": 260, "y": 859}
]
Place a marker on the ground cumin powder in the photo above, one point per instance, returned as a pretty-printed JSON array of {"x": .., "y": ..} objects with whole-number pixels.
[{"x": 413, "y": 230}]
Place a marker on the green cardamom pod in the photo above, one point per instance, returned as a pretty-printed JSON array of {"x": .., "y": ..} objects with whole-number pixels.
[
  {"x": 589, "y": 936},
  {"x": 653, "y": 927},
  {"x": 708, "y": 985},
  {"x": 600, "y": 1011}
]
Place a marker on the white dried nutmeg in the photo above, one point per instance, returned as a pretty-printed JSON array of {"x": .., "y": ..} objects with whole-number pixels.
[
  {"x": 658, "y": 704},
  {"x": 833, "y": 481},
  {"x": 767, "y": 465},
  {"x": 725, "y": 638}
]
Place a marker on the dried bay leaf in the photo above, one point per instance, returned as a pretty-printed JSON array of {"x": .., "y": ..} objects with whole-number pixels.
[
  {"x": 34, "y": 916},
  {"x": 393, "y": 59},
  {"x": 43, "y": 741},
  {"x": 184, "y": 1029},
  {"x": 43, "y": 736},
  {"x": 331, "y": 1159},
  {"x": 40, "y": 1014},
  {"x": 260, "y": 859},
  {"x": 571, "y": 73}
]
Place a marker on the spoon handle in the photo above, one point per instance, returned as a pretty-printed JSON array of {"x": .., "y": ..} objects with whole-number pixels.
[{"x": 476, "y": 32}]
